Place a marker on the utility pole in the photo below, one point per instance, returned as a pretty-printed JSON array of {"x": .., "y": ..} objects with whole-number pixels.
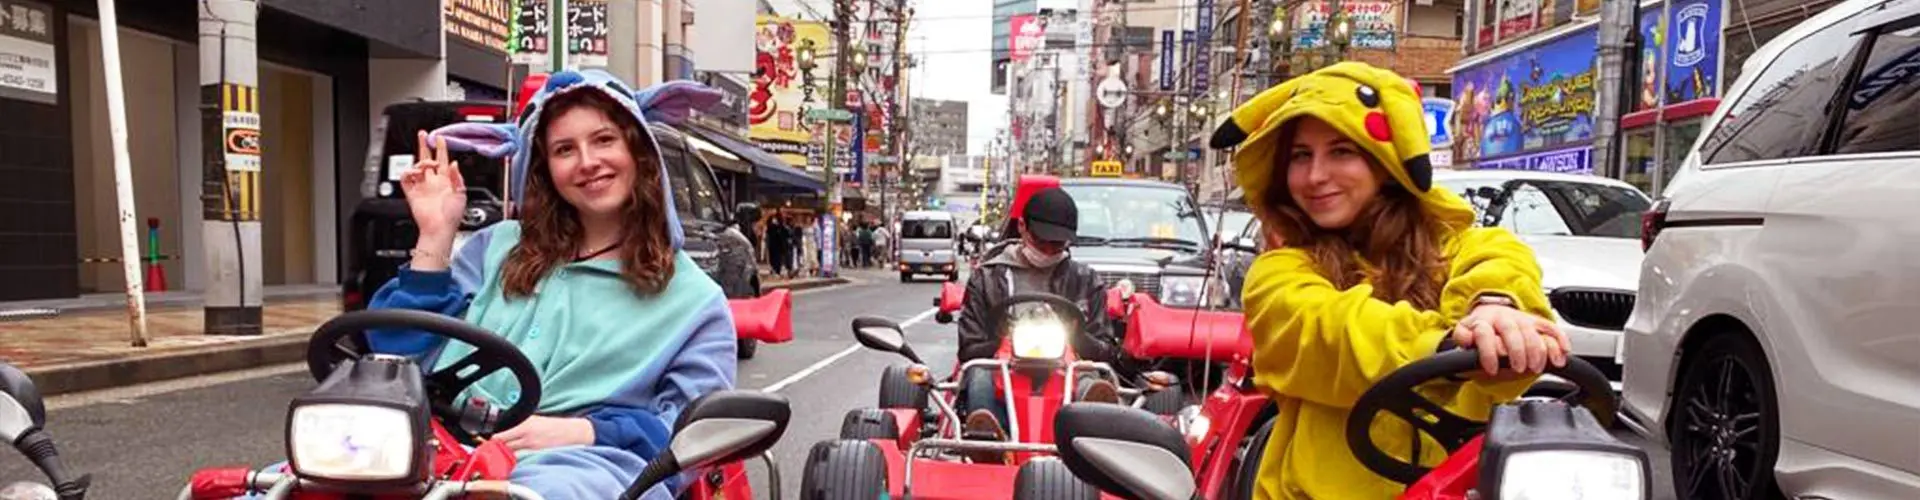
[
  {"x": 901, "y": 134},
  {"x": 837, "y": 99},
  {"x": 230, "y": 178},
  {"x": 557, "y": 32}
]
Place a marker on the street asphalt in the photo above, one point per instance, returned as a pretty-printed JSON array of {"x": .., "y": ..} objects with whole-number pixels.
[{"x": 142, "y": 442}]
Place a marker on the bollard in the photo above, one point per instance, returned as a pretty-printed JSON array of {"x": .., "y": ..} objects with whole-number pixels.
[{"x": 156, "y": 275}]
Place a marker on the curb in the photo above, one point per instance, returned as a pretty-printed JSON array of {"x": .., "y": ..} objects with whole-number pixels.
[
  {"x": 809, "y": 284},
  {"x": 84, "y": 376}
]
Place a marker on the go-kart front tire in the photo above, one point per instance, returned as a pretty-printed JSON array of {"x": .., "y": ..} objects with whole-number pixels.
[
  {"x": 1166, "y": 402},
  {"x": 869, "y": 423},
  {"x": 844, "y": 470},
  {"x": 1049, "y": 479},
  {"x": 1246, "y": 479},
  {"x": 898, "y": 392},
  {"x": 746, "y": 348}
]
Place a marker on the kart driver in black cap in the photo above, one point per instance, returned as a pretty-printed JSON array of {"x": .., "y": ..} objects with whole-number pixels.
[{"x": 1037, "y": 263}]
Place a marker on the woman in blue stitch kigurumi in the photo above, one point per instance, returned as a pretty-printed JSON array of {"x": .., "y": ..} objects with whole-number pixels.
[{"x": 590, "y": 283}]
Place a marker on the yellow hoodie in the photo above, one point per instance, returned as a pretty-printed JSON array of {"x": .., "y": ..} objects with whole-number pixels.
[{"x": 1317, "y": 347}]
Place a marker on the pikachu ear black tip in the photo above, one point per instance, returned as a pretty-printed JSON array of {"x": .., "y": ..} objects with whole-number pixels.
[{"x": 1228, "y": 135}]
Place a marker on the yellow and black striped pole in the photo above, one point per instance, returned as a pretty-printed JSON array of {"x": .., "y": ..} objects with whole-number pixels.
[{"x": 231, "y": 178}]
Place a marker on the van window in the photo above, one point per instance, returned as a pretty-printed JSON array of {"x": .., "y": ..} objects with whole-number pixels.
[
  {"x": 1880, "y": 107},
  {"x": 1781, "y": 114},
  {"x": 926, "y": 229},
  {"x": 676, "y": 167}
]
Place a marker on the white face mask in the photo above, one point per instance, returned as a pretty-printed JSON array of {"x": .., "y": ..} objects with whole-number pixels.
[{"x": 1039, "y": 259}]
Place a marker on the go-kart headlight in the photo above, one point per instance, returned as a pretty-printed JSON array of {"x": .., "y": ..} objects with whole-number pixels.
[
  {"x": 351, "y": 442},
  {"x": 1192, "y": 291},
  {"x": 1544, "y": 474},
  {"x": 364, "y": 429},
  {"x": 1039, "y": 339}
]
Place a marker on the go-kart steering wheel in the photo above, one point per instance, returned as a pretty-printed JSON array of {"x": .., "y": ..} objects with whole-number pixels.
[
  {"x": 342, "y": 338},
  {"x": 1395, "y": 394}
]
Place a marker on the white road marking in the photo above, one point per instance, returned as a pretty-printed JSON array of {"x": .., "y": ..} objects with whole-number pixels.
[{"x": 830, "y": 360}]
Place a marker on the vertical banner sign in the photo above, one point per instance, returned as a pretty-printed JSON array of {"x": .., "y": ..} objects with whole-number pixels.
[
  {"x": 1202, "y": 66},
  {"x": 587, "y": 33},
  {"x": 240, "y": 144},
  {"x": 1653, "y": 36},
  {"x": 27, "y": 64},
  {"x": 530, "y": 25},
  {"x": 1693, "y": 63},
  {"x": 1186, "y": 57},
  {"x": 858, "y": 174},
  {"x": 1166, "y": 60},
  {"x": 829, "y": 245}
]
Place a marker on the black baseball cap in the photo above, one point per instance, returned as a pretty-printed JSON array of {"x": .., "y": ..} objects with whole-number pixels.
[{"x": 1051, "y": 215}]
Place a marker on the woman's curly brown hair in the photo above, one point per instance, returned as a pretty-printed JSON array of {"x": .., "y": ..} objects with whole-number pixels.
[
  {"x": 550, "y": 227},
  {"x": 1399, "y": 241}
]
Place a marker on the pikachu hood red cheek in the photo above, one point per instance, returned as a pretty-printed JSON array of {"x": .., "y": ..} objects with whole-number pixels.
[{"x": 1376, "y": 108}]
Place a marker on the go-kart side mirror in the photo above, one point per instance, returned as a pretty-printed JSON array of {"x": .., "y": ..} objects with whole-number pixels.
[
  {"x": 1125, "y": 452},
  {"x": 22, "y": 417},
  {"x": 883, "y": 335},
  {"x": 720, "y": 427},
  {"x": 20, "y": 403}
]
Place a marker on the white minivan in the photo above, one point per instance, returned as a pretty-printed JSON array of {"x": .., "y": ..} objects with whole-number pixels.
[
  {"x": 927, "y": 245},
  {"x": 1773, "y": 346}
]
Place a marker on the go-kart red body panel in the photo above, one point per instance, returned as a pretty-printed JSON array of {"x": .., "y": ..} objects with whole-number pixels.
[
  {"x": 1233, "y": 415},
  {"x": 953, "y": 296},
  {"x": 1155, "y": 331},
  {"x": 1452, "y": 479},
  {"x": 944, "y": 480},
  {"x": 767, "y": 318}
]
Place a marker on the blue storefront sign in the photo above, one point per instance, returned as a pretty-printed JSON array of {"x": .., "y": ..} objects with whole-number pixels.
[
  {"x": 1439, "y": 121},
  {"x": 829, "y": 246},
  {"x": 1693, "y": 50},
  {"x": 1568, "y": 161},
  {"x": 1538, "y": 98},
  {"x": 1186, "y": 54}
]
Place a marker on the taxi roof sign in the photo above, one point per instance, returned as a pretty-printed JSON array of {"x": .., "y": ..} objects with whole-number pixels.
[{"x": 1107, "y": 168}]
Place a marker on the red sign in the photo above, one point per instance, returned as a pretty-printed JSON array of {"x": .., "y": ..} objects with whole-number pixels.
[{"x": 1026, "y": 36}]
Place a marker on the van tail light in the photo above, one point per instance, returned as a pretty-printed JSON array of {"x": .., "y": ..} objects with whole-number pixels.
[{"x": 1652, "y": 222}]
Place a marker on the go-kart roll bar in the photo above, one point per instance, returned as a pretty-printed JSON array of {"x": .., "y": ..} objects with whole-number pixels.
[
  {"x": 278, "y": 486},
  {"x": 906, "y": 489}
]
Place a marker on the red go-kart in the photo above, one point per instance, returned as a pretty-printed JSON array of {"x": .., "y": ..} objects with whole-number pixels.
[
  {"x": 1534, "y": 448},
  {"x": 912, "y": 445},
  {"x": 378, "y": 426}
]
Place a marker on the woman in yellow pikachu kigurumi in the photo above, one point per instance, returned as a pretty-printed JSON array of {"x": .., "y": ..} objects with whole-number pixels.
[{"x": 1372, "y": 268}]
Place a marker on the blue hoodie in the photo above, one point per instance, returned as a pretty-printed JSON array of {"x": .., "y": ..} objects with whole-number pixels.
[{"x": 628, "y": 363}]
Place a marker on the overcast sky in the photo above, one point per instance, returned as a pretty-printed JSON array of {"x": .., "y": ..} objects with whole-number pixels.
[{"x": 953, "y": 39}]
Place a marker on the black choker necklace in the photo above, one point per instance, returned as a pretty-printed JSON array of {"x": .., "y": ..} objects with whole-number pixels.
[{"x": 597, "y": 253}]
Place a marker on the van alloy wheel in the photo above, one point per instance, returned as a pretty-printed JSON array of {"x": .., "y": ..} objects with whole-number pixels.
[{"x": 1725, "y": 437}]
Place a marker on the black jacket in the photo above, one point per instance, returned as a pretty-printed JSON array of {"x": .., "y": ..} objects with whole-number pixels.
[{"x": 988, "y": 286}]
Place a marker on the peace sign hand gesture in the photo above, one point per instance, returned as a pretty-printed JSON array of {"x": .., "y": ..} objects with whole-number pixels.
[{"x": 437, "y": 196}]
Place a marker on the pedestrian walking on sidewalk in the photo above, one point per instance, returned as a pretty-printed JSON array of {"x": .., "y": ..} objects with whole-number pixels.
[{"x": 779, "y": 245}]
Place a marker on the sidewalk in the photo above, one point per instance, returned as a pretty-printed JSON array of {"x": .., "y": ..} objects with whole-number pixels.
[{"x": 82, "y": 344}]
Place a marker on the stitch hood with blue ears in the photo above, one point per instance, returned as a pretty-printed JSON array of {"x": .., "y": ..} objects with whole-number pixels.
[{"x": 668, "y": 103}]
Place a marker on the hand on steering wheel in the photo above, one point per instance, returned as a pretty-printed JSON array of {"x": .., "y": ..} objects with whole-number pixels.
[
  {"x": 1396, "y": 395},
  {"x": 342, "y": 338},
  {"x": 1527, "y": 341}
]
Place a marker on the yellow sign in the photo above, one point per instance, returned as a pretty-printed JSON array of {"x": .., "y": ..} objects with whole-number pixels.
[
  {"x": 1107, "y": 168},
  {"x": 778, "y": 104}
]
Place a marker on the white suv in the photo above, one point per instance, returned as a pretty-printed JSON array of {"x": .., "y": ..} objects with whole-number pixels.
[{"x": 1775, "y": 345}]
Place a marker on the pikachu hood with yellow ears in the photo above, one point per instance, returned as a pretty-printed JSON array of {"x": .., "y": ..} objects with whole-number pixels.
[{"x": 1376, "y": 108}]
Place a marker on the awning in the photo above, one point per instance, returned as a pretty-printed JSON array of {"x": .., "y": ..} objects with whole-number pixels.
[
  {"x": 774, "y": 174},
  {"x": 719, "y": 157}
]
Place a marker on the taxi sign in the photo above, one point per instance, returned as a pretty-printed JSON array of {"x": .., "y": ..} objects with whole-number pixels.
[{"x": 1107, "y": 168}]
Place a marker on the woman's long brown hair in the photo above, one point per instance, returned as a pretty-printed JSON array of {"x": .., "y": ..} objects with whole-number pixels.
[
  {"x": 551, "y": 234},
  {"x": 1392, "y": 234}
]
